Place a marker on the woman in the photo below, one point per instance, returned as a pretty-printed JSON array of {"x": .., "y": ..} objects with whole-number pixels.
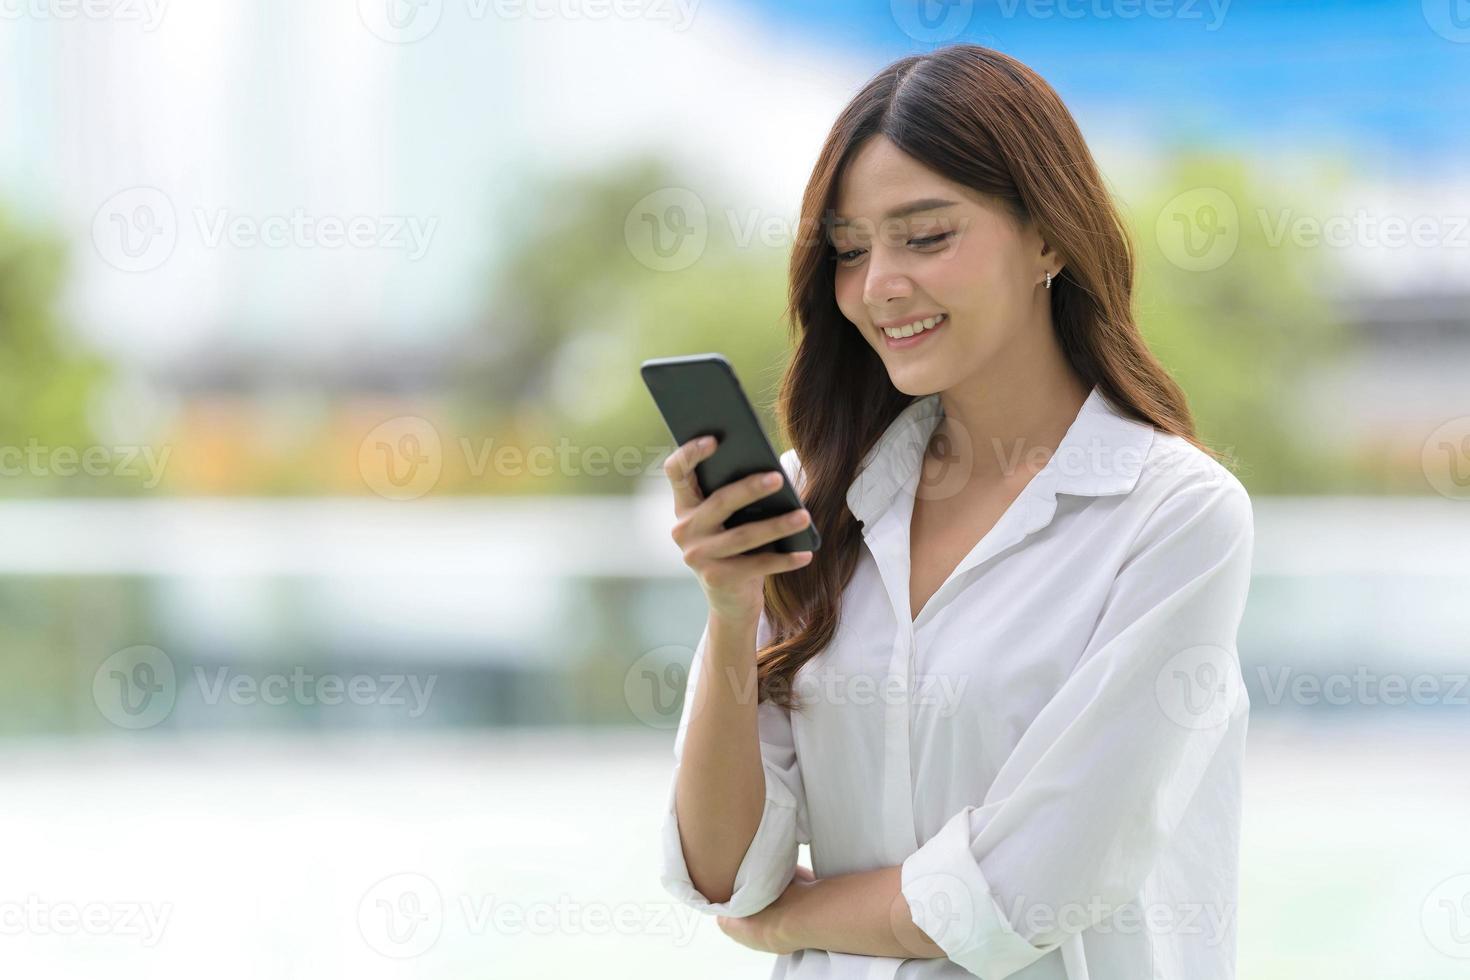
[{"x": 1002, "y": 703}]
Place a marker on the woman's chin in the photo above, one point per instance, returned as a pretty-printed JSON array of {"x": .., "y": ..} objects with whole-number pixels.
[{"x": 915, "y": 383}]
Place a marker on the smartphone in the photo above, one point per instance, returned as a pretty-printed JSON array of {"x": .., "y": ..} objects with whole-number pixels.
[{"x": 699, "y": 395}]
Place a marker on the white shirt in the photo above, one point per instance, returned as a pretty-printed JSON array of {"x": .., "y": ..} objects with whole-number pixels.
[{"x": 1052, "y": 750}]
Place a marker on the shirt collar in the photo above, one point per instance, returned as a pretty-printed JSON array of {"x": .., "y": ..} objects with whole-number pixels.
[{"x": 1102, "y": 453}]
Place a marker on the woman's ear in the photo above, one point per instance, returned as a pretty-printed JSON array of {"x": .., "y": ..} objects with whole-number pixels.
[{"x": 1051, "y": 258}]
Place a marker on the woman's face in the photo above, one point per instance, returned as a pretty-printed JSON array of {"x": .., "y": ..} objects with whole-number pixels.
[{"x": 966, "y": 260}]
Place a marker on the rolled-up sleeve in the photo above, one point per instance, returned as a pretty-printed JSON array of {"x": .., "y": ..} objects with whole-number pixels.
[
  {"x": 1078, "y": 814},
  {"x": 770, "y": 862}
]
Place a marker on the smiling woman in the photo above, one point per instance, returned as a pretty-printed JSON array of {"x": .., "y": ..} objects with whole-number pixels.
[
  {"x": 955, "y": 190},
  {"x": 1012, "y": 500}
]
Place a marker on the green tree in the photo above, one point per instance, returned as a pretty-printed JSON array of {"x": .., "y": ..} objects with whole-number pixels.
[
  {"x": 48, "y": 382},
  {"x": 579, "y": 307},
  {"x": 1237, "y": 317}
]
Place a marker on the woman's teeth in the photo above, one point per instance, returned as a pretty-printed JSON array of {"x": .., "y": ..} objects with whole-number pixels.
[{"x": 909, "y": 329}]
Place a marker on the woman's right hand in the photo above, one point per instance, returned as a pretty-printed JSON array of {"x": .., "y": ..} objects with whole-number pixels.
[{"x": 734, "y": 584}]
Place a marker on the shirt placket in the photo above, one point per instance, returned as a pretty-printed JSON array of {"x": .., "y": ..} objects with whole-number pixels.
[{"x": 888, "y": 540}]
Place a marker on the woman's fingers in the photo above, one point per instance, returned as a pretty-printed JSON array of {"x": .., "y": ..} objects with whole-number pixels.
[
  {"x": 732, "y": 579},
  {"x": 679, "y": 468},
  {"x": 720, "y": 505},
  {"x": 729, "y": 573},
  {"x": 739, "y": 540}
]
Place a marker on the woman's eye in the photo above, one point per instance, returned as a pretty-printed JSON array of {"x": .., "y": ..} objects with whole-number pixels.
[
  {"x": 932, "y": 240},
  {"x": 856, "y": 253}
]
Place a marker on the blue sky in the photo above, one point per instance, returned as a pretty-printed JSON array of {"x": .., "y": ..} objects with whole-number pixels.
[{"x": 1375, "y": 78}]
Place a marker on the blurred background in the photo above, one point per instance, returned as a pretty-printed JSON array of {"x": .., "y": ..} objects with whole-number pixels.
[{"x": 340, "y": 628}]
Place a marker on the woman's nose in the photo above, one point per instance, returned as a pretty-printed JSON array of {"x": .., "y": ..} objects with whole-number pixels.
[{"x": 885, "y": 283}]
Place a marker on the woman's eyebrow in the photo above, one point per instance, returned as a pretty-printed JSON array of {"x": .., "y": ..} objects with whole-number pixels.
[{"x": 903, "y": 210}]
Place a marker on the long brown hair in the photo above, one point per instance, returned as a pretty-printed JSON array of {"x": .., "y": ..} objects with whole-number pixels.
[{"x": 984, "y": 120}]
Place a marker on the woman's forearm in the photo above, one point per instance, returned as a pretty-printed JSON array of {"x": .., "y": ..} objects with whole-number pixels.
[
  {"x": 864, "y": 912},
  {"x": 721, "y": 789}
]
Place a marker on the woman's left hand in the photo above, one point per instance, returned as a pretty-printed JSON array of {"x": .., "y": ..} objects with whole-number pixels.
[{"x": 769, "y": 930}]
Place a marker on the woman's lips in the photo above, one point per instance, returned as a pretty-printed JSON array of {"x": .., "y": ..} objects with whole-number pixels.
[{"x": 904, "y": 343}]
